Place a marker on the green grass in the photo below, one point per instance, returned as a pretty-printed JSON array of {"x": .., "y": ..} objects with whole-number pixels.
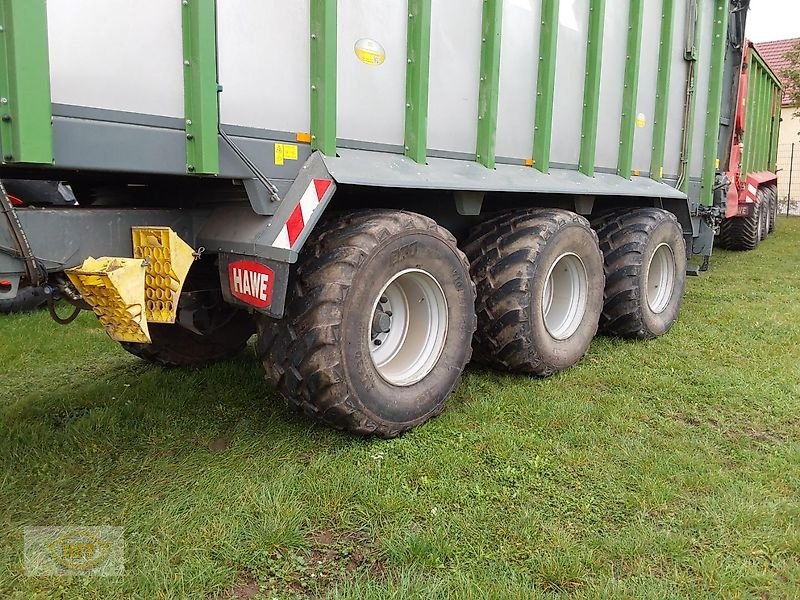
[{"x": 655, "y": 470}]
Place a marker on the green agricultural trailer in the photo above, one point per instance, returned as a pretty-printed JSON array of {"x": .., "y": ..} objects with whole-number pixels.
[
  {"x": 376, "y": 188},
  {"x": 752, "y": 153}
]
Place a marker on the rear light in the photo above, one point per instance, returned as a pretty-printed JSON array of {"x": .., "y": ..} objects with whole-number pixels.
[
  {"x": 5, "y": 286},
  {"x": 15, "y": 201}
]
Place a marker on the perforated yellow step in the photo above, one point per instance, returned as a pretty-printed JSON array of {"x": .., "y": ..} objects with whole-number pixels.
[
  {"x": 168, "y": 260},
  {"x": 114, "y": 288}
]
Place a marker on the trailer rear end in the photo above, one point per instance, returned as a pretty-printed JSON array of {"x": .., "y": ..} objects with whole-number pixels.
[
  {"x": 382, "y": 190},
  {"x": 752, "y": 202}
]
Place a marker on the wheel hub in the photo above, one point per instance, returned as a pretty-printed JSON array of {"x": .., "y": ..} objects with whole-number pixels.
[
  {"x": 408, "y": 327},
  {"x": 565, "y": 296},
  {"x": 660, "y": 279}
]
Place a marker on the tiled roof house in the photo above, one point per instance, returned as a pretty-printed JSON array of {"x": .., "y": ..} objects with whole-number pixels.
[{"x": 775, "y": 55}]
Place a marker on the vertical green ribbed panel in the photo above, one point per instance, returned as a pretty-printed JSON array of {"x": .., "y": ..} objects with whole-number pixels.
[
  {"x": 748, "y": 117},
  {"x": 762, "y": 128},
  {"x": 545, "y": 89},
  {"x": 630, "y": 93},
  {"x": 591, "y": 87},
  {"x": 662, "y": 90},
  {"x": 26, "y": 132},
  {"x": 488, "y": 94},
  {"x": 715, "y": 83},
  {"x": 758, "y": 129},
  {"x": 323, "y": 76},
  {"x": 201, "y": 88},
  {"x": 417, "y": 77}
]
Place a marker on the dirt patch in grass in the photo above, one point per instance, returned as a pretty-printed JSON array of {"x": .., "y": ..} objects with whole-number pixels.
[
  {"x": 245, "y": 589},
  {"x": 331, "y": 558}
]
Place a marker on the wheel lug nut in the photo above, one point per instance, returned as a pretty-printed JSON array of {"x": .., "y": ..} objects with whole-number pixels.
[
  {"x": 384, "y": 300},
  {"x": 388, "y": 313},
  {"x": 377, "y": 342}
]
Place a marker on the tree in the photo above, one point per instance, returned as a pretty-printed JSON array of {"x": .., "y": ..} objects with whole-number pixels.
[{"x": 791, "y": 77}]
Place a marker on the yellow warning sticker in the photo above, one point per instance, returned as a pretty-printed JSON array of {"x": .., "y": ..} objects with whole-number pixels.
[
  {"x": 641, "y": 120},
  {"x": 289, "y": 152},
  {"x": 284, "y": 152}
]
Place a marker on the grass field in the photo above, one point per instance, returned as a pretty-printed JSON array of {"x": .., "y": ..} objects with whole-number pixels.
[{"x": 656, "y": 470}]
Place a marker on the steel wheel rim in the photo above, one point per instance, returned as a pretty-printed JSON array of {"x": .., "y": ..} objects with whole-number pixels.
[
  {"x": 409, "y": 327},
  {"x": 565, "y": 296},
  {"x": 660, "y": 279}
]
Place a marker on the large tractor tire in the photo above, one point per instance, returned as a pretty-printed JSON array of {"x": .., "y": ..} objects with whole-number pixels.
[
  {"x": 222, "y": 332},
  {"x": 742, "y": 233},
  {"x": 539, "y": 279},
  {"x": 380, "y": 314},
  {"x": 645, "y": 266},
  {"x": 766, "y": 213},
  {"x": 28, "y": 299},
  {"x": 772, "y": 193}
]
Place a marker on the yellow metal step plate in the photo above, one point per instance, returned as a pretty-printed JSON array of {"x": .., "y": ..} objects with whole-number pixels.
[
  {"x": 115, "y": 289},
  {"x": 168, "y": 260}
]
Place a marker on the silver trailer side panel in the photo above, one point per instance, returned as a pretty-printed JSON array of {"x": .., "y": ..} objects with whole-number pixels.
[
  {"x": 677, "y": 96},
  {"x": 128, "y": 56},
  {"x": 371, "y": 91},
  {"x": 648, "y": 75},
  {"x": 264, "y": 77},
  {"x": 517, "y": 93},
  {"x": 454, "y": 75},
  {"x": 612, "y": 84},
  {"x": 703, "y": 72},
  {"x": 570, "y": 65}
]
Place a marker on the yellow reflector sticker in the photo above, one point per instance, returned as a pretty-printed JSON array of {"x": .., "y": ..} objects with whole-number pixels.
[
  {"x": 370, "y": 52},
  {"x": 114, "y": 288},
  {"x": 303, "y": 137}
]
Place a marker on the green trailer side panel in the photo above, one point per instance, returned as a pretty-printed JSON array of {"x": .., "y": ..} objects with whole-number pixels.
[
  {"x": 713, "y": 114},
  {"x": 662, "y": 90},
  {"x": 630, "y": 94},
  {"x": 26, "y": 131},
  {"x": 417, "y": 76},
  {"x": 201, "y": 88},
  {"x": 591, "y": 87},
  {"x": 323, "y": 76},
  {"x": 488, "y": 94},
  {"x": 548, "y": 48}
]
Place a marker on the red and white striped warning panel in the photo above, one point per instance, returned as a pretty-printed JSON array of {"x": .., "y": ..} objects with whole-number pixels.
[
  {"x": 752, "y": 193},
  {"x": 301, "y": 215}
]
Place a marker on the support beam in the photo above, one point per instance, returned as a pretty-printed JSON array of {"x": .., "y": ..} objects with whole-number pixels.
[
  {"x": 417, "y": 79},
  {"x": 201, "y": 87},
  {"x": 323, "y": 76},
  {"x": 719, "y": 47},
  {"x": 26, "y": 133},
  {"x": 591, "y": 87},
  {"x": 490, "y": 82},
  {"x": 545, "y": 94},
  {"x": 662, "y": 90},
  {"x": 631, "y": 91}
]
